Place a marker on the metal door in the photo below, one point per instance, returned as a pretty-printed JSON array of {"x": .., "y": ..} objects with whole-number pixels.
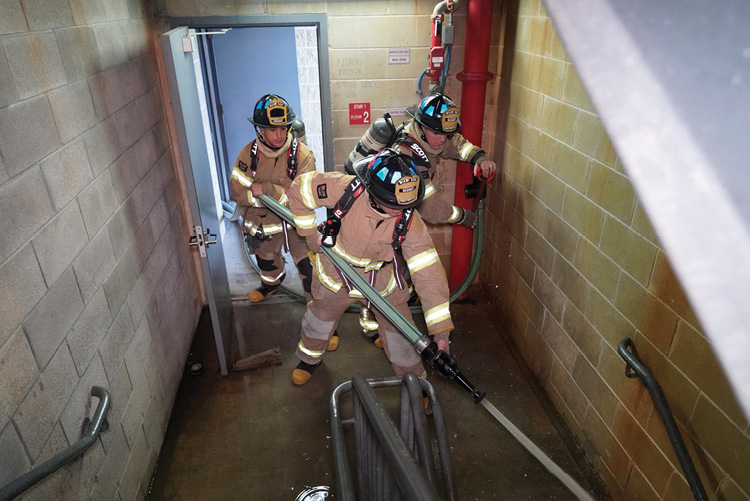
[{"x": 183, "y": 88}]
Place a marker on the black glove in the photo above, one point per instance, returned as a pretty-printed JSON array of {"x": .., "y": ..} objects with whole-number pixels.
[{"x": 469, "y": 219}]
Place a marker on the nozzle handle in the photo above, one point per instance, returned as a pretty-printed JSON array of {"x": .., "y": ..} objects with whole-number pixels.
[{"x": 446, "y": 365}]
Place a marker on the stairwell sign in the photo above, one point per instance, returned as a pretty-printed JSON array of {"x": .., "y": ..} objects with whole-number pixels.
[{"x": 359, "y": 113}]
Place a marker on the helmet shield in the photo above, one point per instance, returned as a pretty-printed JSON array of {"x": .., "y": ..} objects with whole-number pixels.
[
  {"x": 437, "y": 113},
  {"x": 391, "y": 178},
  {"x": 272, "y": 110}
]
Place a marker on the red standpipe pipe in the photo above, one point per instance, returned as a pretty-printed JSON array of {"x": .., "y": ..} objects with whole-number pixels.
[{"x": 474, "y": 78}]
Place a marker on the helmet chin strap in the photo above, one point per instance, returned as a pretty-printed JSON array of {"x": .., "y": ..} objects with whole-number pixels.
[{"x": 421, "y": 133}]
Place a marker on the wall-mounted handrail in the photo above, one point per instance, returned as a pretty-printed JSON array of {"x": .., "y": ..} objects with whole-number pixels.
[
  {"x": 90, "y": 435},
  {"x": 635, "y": 368}
]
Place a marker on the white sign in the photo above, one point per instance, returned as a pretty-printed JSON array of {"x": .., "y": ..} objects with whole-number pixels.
[
  {"x": 399, "y": 56},
  {"x": 397, "y": 112}
]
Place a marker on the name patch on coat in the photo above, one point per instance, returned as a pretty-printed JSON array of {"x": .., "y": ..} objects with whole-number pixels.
[
  {"x": 322, "y": 191},
  {"x": 243, "y": 166}
]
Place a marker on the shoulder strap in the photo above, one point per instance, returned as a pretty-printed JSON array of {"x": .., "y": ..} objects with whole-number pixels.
[
  {"x": 292, "y": 158},
  {"x": 332, "y": 225},
  {"x": 255, "y": 156},
  {"x": 403, "y": 223}
]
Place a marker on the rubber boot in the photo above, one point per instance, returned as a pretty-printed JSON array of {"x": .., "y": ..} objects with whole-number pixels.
[
  {"x": 302, "y": 373},
  {"x": 333, "y": 343},
  {"x": 264, "y": 291}
]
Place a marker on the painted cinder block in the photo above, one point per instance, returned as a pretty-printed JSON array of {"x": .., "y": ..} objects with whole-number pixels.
[
  {"x": 38, "y": 413},
  {"x": 98, "y": 202},
  {"x": 59, "y": 242},
  {"x": 94, "y": 264},
  {"x": 18, "y": 371},
  {"x": 116, "y": 342},
  {"x": 78, "y": 50},
  {"x": 82, "y": 404},
  {"x": 21, "y": 288},
  {"x": 49, "y": 322},
  {"x": 8, "y": 92},
  {"x": 66, "y": 173},
  {"x": 73, "y": 110},
  {"x": 25, "y": 209},
  {"x": 35, "y": 63},
  {"x": 102, "y": 145},
  {"x": 27, "y": 134},
  {"x": 88, "y": 331},
  {"x": 15, "y": 460}
]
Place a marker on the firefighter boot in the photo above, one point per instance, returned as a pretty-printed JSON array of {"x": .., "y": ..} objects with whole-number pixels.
[
  {"x": 333, "y": 343},
  {"x": 264, "y": 291},
  {"x": 302, "y": 373}
]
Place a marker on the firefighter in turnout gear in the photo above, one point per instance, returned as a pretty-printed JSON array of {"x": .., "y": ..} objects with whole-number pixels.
[
  {"x": 435, "y": 129},
  {"x": 267, "y": 166},
  {"x": 432, "y": 136},
  {"x": 372, "y": 216}
]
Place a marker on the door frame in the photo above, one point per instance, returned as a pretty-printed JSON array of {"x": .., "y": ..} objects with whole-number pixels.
[{"x": 319, "y": 21}]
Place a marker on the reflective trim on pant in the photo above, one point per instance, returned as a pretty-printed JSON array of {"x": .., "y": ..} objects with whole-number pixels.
[
  {"x": 319, "y": 323},
  {"x": 270, "y": 250}
]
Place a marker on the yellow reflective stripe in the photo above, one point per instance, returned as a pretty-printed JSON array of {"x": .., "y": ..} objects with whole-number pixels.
[
  {"x": 327, "y": 281},
  {"x": 465, "y": 151},
  {"x": 308, "y": 221},
  {"x": 308, "y": 197},
  {"x": 284, "y": 200},
  {"x": 310, "y": 353},
  {"x": 429, "y": 190},
  {"x": 269, "y": 278},
  {"x": 376, "y": 265},
  {"x": 241, "y": 178},
  {"x": 368, "y": 325},
  {"x": 270, "y": 229},
  {"x": 351, "y": 259},
  {"x": 437, "y": 314},
  {"x": 392, "y": 284},
  {"x": 455, "y": 214},
  {"x": 422, "y": 260},
  {"x": 253, "y": 201}
]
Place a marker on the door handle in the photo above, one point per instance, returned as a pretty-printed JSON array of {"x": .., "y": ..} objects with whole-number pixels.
[{"x": 202, "y": 239}]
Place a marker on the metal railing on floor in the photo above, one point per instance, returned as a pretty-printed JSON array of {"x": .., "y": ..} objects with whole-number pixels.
[
  {"x": 636, "y": 368},
  {"x": 91, "y": 430},
  {"x": 391, "y": 463}
]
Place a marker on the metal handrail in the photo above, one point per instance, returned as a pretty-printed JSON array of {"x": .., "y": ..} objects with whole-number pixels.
[
  {"x": 384, "y": 449},
  {"x": 91, "y": 433},
  {"x": 635, "y": 368}
]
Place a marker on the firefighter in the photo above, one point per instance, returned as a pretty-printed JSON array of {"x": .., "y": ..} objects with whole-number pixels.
[
  {"x": 373, "y": 215},
  {"x": 435, "y": 128},
  {"x": 267, "y": 165},
  {"x": 432, "y": 135}
]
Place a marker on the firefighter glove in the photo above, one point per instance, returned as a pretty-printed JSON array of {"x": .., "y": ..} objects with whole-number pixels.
[{"x": 469, "y": 219}]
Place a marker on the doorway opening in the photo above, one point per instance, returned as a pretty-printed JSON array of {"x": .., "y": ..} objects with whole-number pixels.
[{"x": 240, "y": 60}]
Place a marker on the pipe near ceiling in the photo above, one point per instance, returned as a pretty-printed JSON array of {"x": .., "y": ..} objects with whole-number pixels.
[{"x": 474, "y": 78}]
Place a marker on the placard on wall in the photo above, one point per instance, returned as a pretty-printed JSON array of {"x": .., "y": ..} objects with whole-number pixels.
[{"x": 359, "y": 113}]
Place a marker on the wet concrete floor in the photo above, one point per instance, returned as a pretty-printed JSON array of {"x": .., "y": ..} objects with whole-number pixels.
[{"x": 253, "y": 435}]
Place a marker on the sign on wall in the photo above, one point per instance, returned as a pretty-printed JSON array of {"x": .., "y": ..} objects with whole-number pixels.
[
  {"x": 359, "y": 113},
  {"x": 399, "y": 56}
]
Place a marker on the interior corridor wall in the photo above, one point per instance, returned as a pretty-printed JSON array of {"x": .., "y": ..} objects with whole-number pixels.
[
  {"x": 359, "y": 37},
  {"x": 97, "y": 285},
  {"x": 572, "y": 266}
]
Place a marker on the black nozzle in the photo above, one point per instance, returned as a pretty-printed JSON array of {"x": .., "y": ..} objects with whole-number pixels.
[
  {"x": 446, "y": 365},
  {"x": 472, "y": 190}
]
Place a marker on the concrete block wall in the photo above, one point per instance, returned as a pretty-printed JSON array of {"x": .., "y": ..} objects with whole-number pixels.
[
  {"x": 97, "y": 286},
  {"x": 572, "y": 266}
]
